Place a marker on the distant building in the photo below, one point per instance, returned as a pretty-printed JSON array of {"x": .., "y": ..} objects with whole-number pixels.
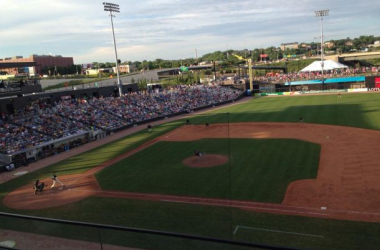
[
  {"x": 329, "y": 45},
  {"x": 42, "y": 61},
  {"x": 349, "y": 43},
  {"x": 376, "y": 44},
  {"x": 305, "y": 46},
  {"x": 91, "y": 71},
  {"x": 123, "y": 69},
  {"x": 101, "y": 70},
  {"x": 285, "y": 46}
]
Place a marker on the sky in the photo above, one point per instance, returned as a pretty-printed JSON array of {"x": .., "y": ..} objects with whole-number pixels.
[{"x": 173, "y": 29}]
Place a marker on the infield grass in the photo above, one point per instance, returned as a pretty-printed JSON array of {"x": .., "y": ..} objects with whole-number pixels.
[{"x": 255, "y": 174}]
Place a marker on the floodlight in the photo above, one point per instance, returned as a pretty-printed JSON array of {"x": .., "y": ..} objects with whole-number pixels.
[
  {"x": 114, "y": 8},
  {"x": 321, "y": 14}
]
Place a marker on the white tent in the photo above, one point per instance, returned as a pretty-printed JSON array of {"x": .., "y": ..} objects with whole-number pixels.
[{"x": 328, "y": 65}]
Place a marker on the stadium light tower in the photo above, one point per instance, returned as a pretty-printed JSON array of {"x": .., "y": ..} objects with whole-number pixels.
[
  {"x": 321, "y": 14},
  {"x": 114, "y": 8}
]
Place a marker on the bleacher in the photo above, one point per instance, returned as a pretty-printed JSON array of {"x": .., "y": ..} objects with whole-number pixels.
[{"x": 41, "y": 130}]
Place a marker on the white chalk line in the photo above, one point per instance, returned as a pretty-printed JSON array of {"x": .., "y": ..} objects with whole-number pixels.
[
  {"x": 109, "y": 164},
  {"x": 178, "y": 129},
  {"x": 248, "y": 207},
  {"x": 237, "y": 206},
  {"x": 276, "y": 231},
  {"x": 172, "y": 133}
]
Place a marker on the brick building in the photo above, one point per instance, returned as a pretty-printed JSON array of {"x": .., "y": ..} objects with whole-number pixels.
[
  {"x": 285, "y": 46},
  {"x": 42, "y": 61}
]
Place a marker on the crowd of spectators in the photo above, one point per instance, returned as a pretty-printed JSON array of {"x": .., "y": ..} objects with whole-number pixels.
[
  {"x": 137, "y": 107},
  {"x": 6, "y": 86},
  {"x": 81, "y": 111},
  {"x": 302, "y": 76},
  {"x": 41, "y": 122},
  {"x": 15, "y": 138},
  {"x": 48, "y": 121}
]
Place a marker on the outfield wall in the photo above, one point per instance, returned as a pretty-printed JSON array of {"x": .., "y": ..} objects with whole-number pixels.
[{"x": 321, "y": 91}]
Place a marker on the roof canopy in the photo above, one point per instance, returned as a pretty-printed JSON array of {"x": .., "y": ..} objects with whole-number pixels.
[{"x": 328, "y": 65}]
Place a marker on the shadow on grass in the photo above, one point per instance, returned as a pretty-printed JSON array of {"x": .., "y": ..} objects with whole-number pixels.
[{"x": 350, "y": 115}]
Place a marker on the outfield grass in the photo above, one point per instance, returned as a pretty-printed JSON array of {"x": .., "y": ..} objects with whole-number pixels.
[
  {"x": 199, "y": 220},
  {"x": 256, "y": 175},
  {"x": 356, "y": 110},
  {"x": 353, "y": 110}
]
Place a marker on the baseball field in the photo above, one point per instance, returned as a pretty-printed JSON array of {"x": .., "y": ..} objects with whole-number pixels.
[{"x": 263, "y": 177}]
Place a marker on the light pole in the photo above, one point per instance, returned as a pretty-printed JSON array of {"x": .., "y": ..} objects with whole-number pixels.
[
  {"x": 98, "y": 69},
  {"x": 321, "y": 14},
  {"x": 114, "y": 8},
  {"x": 316, "y": 54},
  {"x": 142, "y": 67}
]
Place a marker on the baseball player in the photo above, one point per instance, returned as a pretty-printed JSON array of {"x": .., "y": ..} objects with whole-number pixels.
[{"x": 55, "y": 179}]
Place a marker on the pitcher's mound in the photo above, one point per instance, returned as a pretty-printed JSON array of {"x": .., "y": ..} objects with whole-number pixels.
[{"x": 205, "y": 161}]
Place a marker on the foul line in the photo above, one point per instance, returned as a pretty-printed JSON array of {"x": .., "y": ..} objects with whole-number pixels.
[
  {"x": 287, "y": 210},
  {"x": 248, "y": 207},
  {"x": 276, "y": 231}
]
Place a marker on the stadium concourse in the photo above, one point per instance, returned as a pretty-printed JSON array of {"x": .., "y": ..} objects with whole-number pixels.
[{"x": 41, "y": 124}]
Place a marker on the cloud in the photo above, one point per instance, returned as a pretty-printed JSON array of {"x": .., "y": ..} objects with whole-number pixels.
[{"x": 173, "y": 28}]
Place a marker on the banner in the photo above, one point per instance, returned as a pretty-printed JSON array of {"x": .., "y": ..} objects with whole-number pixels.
[
  {"x": 377, "y": 82},
  {"x": 313, "y": 92},
  {"x": 358, "y": 90},
  {"x": 373, "y": 89},
  {"x": 275, "y": 93},
  {"x": 323, "y": 91},
  {"x": 184, "y": 68},
  {"x": 292, "y": 93}
]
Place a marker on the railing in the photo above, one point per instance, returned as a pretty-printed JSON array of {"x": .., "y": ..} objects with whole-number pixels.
[
  {"x": 84, "y": 86},
  {"x": 99, "y": 233}
]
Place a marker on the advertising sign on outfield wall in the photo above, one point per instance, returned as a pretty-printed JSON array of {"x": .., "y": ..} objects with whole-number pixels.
[
  {"x": 358, "y": 90},
  {"x": 323, "y": 91},
  {"x": 268, "y": 94},
  {"x": 306, "y": 92},
  {"x": 292, "y": 93},
  {"x": 373, "y": 89}
]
